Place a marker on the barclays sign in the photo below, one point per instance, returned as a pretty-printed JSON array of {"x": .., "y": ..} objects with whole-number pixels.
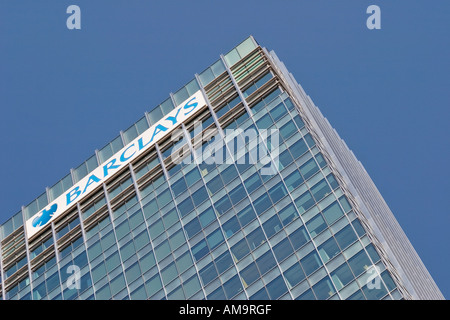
[{"x": 122, "y": 158}]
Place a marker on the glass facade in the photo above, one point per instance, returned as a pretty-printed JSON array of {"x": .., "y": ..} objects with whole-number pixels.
[{"x": 165, "y": 229}]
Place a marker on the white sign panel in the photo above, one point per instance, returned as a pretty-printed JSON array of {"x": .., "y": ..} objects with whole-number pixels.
[{"x": 122, "y": 158}]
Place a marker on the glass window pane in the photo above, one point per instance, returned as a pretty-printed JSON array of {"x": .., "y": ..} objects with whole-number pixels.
[
  {"x": 278, "y": 111},
  {"x": 333, "y": 212},
  {"x": 311, "y": 263},
  {"x": 324, "y": 289},
  {"x": 297, "y": 149},
  {"x": 207, "y": 216},
  {"x": 232, "y": 287},
  {"x": 246, "y": 215},
  {"x": 240, "y": 250},
  {"x": 155, "y": 115},
  {"x": 346, "y": 237},
  {"x": 260, "y": 295},
  {"x": 208, "y": 273},
  {"x": 193, "y": 227},
  {"x": 224, "y": 262},
  {"x": 320, "y": 190},
  {"x": 218, "y": 68},
  {"x": 283, "y": 249},
  {"x": 304, "y": 202},
  {"x": 262, "y": 203},
  {"x": 276, "y": 288},
  {"x": 133, "y": 272},
  {"x": 342, "y": 276},
  {"x": 309, "y": 168},
  {"x": 328, "y": 250},
  {"x": 214, "y": 239},
  {"x": 266, "y": 262},
  {"x": 359, "y": 263},
  {"x": 200, "y": 250},
  {"x": 256, "y": 238},
  {"x": 231, "y": 227},
  {"x": 153, "y": 285},
  {"x": 316, "y": 225},
  {"x": 288, "y": 214},
  {"x": 299, "y": 237},
  {"x": 250, "y": 274},
  {"x": 294, "y": 275},
  {"x": 191, "y": 286},
  {"x": 277, "y": 192},
  {"x": 272, "y": 226},
  {"x": 293, "y": 180}
]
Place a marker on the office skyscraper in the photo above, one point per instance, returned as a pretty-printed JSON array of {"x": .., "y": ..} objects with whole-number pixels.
[{"x": 235, "y": 187}]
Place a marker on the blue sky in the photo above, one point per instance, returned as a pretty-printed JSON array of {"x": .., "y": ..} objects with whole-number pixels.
[{"x": 65, "y": 93}]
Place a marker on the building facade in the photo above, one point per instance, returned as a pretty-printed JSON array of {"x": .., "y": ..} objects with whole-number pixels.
[{"x": 235, "y": 187}]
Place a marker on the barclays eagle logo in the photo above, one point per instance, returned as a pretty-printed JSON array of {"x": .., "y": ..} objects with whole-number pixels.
[{"x": 44, "y": 216}]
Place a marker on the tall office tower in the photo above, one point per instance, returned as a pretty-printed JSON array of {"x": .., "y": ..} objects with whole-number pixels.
[{"x": 235, "y": 187}]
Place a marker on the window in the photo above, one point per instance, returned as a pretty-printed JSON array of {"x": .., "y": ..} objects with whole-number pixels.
[
  {"x": 272, "y": 226},
  {"x": 41, "y": 247},
  {"x": 192, "y": 228},
  {"x": 179, "y": 187},
  {"x": 309, "y": 169},
  {"x": 257, "y": 84},
  {"x": 298, "y": 121},
  {"x": 232, "y": 287},
  {"x": 169, "y": 273},
  {"x": 221, "y": 110},
  {"x": 223, "y": 205},
  {"x": 200, "y": 250},
  {"x": 253, "y": 182},
  {"x": 260, "y": 295},
  {"x": 288, "y": 214},
  {"x": 207, "y": 216},
  {"x": 316, "y": 225},
  {"x": 324, "y": 289},
  {"x": 283, "y": 250},
  {"x": 293, "y": 180},
  {"x": 311, "y": 263},
  {"x": 294, "y": 275},
  {"x": 162, "y": 250},
  {"x": 68, "y": 227},
  {"x": 276, "y": 288},
  {"x": 223, "y": 262},
  {"x": 231, "y": 227},
  {"x": 342, "y": 276},
  {"x": 208, "y": 273},
  {"x": 266, "y": 262},
  {"x": 277, "y": 192},
  {"x": 256, "y": 238},
  {"x": 155, "y": 229},
  {"x": 297, "y": 149},
  {"x": 147, "y": 167},
  {"x": 304, "y": 202},
  {"x": 359, "y": 263},
  {"x": 250, "y": 274},
  {"x": 237, "y": 194},
  {"x": 191, "y": 286},
  {"x": 214, "y": 185},
  {"x": 328, "y": 250},
  {"x": 299, "y": 237},
  {"x": 262, "y": 203},
  {"x": 240, "y": 250},
  {"x": 320, "y": 190},
  {"x": 246, "y": 215},
  {"x": 97, "y": 204},
  {"x": 333, "y": 212},
  {"x": 346, "y": 237},
  {"x": 214, "y": 239}
]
